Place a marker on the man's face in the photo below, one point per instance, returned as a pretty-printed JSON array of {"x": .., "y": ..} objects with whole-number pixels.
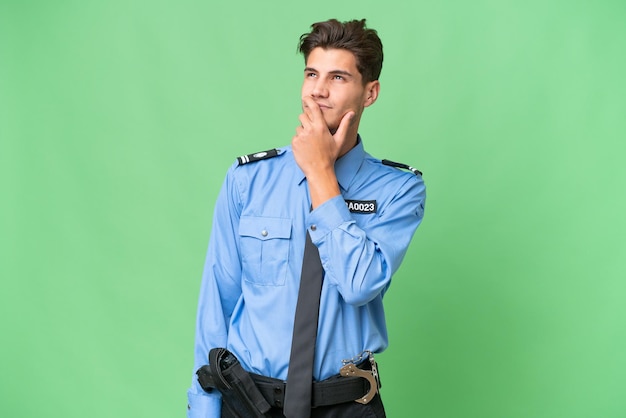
[{"x": 332, "y": 79}]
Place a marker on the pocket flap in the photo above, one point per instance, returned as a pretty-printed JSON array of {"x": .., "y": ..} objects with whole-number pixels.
[{"x": 264, "y": 228}]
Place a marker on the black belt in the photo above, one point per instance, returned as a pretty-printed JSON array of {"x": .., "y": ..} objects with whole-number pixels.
[{"x": 332, "y": 391}]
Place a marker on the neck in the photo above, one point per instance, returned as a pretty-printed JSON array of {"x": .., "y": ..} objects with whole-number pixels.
[{"x": 351, "y": 141}]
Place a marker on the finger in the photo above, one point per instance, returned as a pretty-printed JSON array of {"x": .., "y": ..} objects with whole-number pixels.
[
  {"x": 312, "y": 109},
  {"x": 342, "y": 130},
  {"x": 304, "y": 120}
]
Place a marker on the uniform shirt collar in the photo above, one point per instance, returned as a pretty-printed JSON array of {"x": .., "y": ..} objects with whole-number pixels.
[{"x": 347, "y": 166}]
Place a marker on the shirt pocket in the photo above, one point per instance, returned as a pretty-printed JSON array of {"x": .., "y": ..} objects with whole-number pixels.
[{"x": 265, "y": 249}]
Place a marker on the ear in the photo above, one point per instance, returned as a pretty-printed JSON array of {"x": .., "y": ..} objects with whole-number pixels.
[{"x": 371, "y": 93}]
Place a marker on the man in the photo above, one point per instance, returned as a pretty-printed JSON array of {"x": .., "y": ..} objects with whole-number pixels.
[{"x": 359, "y": 213}]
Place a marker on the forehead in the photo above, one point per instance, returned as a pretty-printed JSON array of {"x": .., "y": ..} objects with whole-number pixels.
[{"x": 332, "y": 59}]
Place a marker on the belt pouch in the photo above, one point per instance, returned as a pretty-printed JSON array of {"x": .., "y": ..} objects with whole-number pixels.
[{"x": 238, "y": 390}]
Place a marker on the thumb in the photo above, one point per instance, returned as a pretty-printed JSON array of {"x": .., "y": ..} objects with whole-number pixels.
[{"x": 342, "y": 130}]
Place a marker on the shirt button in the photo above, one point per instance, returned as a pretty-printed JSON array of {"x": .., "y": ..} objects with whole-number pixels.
[
  {"x": 264, "y": 232},
  {"x": 313, "y": 227}
]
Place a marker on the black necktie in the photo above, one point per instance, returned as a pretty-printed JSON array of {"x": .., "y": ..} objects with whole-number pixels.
[{"x": 300, "y": 373}]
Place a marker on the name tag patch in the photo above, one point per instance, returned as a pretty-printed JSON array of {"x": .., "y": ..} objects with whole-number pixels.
[{"x": 361, "y": 206}]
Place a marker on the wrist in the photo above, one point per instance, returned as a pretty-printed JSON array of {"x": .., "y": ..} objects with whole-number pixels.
[{"x": 322, "y": 187}]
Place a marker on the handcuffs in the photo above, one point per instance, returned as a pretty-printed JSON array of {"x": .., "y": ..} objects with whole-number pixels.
[{"x": 350, "y": 369}]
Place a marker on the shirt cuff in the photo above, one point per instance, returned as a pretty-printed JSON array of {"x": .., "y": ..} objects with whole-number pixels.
[
  {"x": 203, "y": 405},
  {"x": 326, "y": 217}
]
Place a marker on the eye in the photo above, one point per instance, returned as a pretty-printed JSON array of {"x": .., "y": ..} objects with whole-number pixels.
[
  {"x": 338, "y": 77},
  {"x": 310, "y": 75}
]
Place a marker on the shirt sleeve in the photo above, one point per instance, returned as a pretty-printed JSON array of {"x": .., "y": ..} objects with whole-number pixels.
[
  {"x": 219, "y": 292},
  {"x": 361, "y": 263}
]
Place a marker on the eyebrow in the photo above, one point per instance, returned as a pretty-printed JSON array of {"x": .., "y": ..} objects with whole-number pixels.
[{"x": 333, "y": 72}]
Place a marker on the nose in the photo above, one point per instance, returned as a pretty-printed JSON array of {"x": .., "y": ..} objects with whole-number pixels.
[{"x": 320, "y": 88}]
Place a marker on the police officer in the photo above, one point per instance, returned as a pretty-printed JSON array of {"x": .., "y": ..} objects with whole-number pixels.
[{"x": 359, "y": 213}]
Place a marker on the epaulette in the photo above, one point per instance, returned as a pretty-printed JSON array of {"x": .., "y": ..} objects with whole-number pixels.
[
  {"x": 257, "y": 156},
  {"x": 404, "y": 166}
]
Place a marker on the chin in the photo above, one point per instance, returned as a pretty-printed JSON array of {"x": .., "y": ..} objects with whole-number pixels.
[{"x": 332, "y": 126}]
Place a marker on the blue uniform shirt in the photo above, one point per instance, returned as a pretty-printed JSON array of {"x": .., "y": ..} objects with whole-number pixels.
[{"x": 252, "y": 271}]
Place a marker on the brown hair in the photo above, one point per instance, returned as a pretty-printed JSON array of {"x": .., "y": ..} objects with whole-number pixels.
[{"x": 353, "y": 36}]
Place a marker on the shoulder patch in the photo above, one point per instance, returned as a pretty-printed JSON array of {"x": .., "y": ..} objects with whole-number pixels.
[
  {"x": 257, "y": 156},
  {"x": 404, "y": 166}
]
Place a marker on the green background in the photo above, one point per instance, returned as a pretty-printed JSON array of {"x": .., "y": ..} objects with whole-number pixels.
[{"x": 118, "y": 120}]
